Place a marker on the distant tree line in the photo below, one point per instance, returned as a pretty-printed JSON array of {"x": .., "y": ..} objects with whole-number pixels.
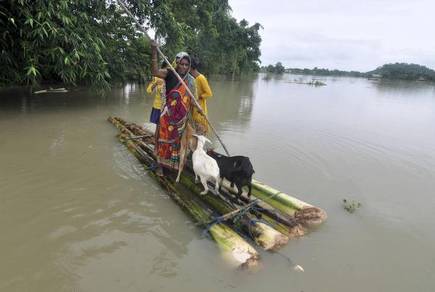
[
  {"x": 95, "y": 42},
  {"x": 402, "y": 71},
  {"x": 326, "y": 72}
]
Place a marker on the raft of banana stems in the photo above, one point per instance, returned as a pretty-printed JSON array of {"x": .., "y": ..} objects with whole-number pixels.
[{"x": 268, "y": 219}]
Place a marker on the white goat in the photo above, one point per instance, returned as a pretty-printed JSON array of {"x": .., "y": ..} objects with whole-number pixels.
[{"x": 204, "y": 166}]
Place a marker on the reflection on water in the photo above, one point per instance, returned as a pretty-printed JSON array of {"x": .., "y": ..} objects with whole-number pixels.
[
  {"x": 77, "y": 212},
  {"x": 404, "y": 88},
  {"x": 232, "y": 103}
]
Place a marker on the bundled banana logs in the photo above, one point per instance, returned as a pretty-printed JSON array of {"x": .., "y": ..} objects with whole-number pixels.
[{"x": 268, "y": 220}]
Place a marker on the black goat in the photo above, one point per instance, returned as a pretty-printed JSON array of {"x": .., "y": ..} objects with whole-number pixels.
[{"x": 237, "y": 170}]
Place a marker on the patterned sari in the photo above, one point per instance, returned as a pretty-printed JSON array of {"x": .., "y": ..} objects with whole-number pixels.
[{"x": 173, "y": 120}]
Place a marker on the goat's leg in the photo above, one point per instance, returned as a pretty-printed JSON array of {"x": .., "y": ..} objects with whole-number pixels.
[
  {"x": 183, "y": 152},
  {"x": 239, "y": 192},
  {"x": 196, "y": 177},
  {"x": 180, "y": 169},
  {"x": 217, "y": 186},
  {"x": 183, "y": 157},
  {"x": 204, "y": 183}
]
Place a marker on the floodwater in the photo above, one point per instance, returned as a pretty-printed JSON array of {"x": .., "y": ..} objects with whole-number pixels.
[{"x": 79, "y": 213}]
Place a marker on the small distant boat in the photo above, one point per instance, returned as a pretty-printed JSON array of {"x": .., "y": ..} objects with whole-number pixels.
[
  {"x": 270, "y": 219},
  {"x": 316, "y": 83},
  {"x": 374, "y": 77},
  {"x": 313, "y": 82}
]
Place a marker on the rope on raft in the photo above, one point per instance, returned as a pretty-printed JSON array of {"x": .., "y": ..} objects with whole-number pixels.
[{"x": 237, "y": 214}]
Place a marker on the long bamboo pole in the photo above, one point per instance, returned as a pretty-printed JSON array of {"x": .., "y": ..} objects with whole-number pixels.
[{"x": 176, "y": 74}]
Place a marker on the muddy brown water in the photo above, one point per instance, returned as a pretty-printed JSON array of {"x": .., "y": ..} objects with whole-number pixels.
[{"x": 79, "y": 213}]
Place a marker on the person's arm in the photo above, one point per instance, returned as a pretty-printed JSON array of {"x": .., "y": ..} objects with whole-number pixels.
[
  {"x": 155, "y": 71},
  {"x": 205, "y": 88},
  {"x": 152, "y": 85}
]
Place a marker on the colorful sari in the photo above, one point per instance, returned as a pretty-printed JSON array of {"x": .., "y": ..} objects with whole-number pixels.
[{"x": 173, "y": 120}]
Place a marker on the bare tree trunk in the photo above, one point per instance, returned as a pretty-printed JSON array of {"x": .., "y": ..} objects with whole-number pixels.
[{"x": 234, "y": 67}]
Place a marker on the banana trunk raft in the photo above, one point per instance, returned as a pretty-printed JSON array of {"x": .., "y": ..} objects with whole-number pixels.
[{"x": 267, "y": 220}]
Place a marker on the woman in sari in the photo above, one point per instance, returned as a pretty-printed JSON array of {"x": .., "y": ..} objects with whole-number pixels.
[{"x": 176, "y": 107}]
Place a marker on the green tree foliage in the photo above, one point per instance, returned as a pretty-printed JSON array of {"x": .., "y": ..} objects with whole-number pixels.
[
  {"x": 68, "y": 41},
  {"x": 404, "y": 71},
  {"x": 208, "y": 31},
  {"x": 95, "y": 42},
  {"x": 278, "y": 68}
]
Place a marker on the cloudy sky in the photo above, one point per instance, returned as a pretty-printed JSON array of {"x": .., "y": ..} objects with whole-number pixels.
[{"x": 343, "y": 34}]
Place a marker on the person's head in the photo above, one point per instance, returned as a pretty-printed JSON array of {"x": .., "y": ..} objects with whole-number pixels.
[
  {"x": 164, "y": 65},
  {"x": 183, "y": 63},
  {"x": 195, "y": 63}
]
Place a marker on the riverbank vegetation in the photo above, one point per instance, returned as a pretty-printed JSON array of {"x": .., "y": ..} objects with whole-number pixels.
[{"x": 95, "y": 43}]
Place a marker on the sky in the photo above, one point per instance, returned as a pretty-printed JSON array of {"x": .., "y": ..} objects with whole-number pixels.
[{"x": 342, "y": 34}]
